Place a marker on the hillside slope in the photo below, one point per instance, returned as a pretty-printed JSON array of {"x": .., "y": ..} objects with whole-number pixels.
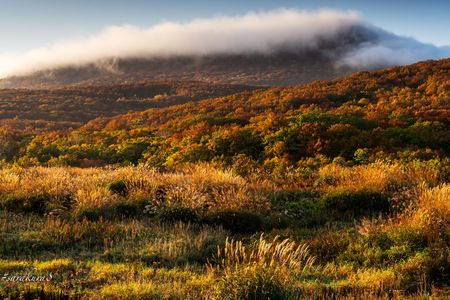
[
  {"x": 73, "y": 106},
  {"x": 391, "y": 110}
]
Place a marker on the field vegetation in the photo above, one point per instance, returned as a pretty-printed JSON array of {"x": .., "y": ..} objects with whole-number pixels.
[{"x": 209, "y": 233}]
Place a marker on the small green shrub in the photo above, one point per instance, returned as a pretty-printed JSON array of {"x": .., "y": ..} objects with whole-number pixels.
[
  {"x": 235, "y": 221},
  {"x": 25, "y": 204},
  {"x": 406, "y": 236},
  {"x": 244, "y": 165},
  {"x": 126, "y": 209},
  {"x": 178, "y": 214},
  {"x": 339, "y": 160},
  {"x": 300, "y": 207},
  {"x": 117, "y": 210},
  {"x": 415, "y": 272},
  {"x": 96, "y": 213},
  {"x": 356, "y": 204},
  {"x": 90, "y": 213},
  {"x": 276, "y": 221},
  {"x": 118, "y": 187},
  {"x": 361, "y": 156},
  {"x": 328, "y": 246}
]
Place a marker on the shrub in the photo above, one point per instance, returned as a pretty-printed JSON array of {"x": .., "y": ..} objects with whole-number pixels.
[
  {"x": 177, "y": 214},
  {"x": 355, "y": 204},
  {"x": 90, "y": 213},
  {"x": 126, "y": 209},
  {"x": 300, "y": 207},
  {"x": 276, "y": 221},
  {"x": 121, "y": 209},
  {"x": 361, "y": 156},
  {"x": 328, "y": 246},
  {"x": 339, "y": 160},
  {"x": 234, "y": 221},
  {"x": 25, "y": 204},
  {"x": 415, "y": 272},
  {"x": 407, "y": 236},
  {"x": 243, "y": 165},
  {"x": 118, "y": 187}
]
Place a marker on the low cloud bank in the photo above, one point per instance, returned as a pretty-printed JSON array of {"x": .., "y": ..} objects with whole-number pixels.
[{"x": 262, "y": 33}]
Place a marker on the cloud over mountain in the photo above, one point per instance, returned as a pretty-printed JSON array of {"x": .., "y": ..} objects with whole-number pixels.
[{"x": 344, "y": 36}]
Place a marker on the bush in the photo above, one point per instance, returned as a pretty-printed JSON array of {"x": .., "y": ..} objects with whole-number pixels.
[
  {"x": 126, "y": 209},
  {"x": 122, "y": 209},
  {"x": 276, "y": 221},
  {"x": 406, "y": 236},
  {"x": 118, "y": 187},
  {"x": 339, "y": 160},
  {"x": 234, "y": 221},
  {"x": 356, "y": 204},
  {"x": 361, "y": 156},
  {"x": 415, "y": 272},
  {"x": 25, "y": 204},
  {"x": 301, "y": 207},
  {"x": 243, "y": 165},
  {"x": 328, "y": 246},
  {"x": 91, "y": 213},
  {"x": 178, "y": 214}
]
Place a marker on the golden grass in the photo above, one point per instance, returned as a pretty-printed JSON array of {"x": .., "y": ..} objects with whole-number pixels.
[
  {"x": 56, "y": 265},
  {"x": 195, "y": 187},
  {"x": 198, "y": 186},
  {"x": 432, "y": 211},
  {"x": 267, "y": 254},
  {"x": 180, "y": 239},
  {"x": 379, "y": 176},
  {"x": 129, "y": 245}
]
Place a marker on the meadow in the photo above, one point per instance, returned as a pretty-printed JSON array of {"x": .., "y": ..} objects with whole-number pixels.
[{"x": 320, "y": 230}]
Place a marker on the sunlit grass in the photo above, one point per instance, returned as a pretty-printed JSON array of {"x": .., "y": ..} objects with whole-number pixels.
[{"x": 141, "y": 256}]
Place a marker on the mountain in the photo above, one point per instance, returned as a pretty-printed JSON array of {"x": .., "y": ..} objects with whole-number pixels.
[
  {"x": 283, "y": 65},
  {"x": 257, "y": 69},
  {"x": 280, "y": 48}
]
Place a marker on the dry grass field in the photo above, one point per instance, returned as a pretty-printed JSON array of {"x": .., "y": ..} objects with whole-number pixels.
[{"x": 364, "y": 231}]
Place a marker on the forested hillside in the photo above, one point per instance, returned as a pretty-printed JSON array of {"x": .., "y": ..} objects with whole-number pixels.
[
  {"x": 77, "y": 105},
  {"x": 377, "y": 115},
  {"x": 26, "y": 113}
]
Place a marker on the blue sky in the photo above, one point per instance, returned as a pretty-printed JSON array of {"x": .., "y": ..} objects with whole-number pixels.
[{"x": 26, "y": 24}]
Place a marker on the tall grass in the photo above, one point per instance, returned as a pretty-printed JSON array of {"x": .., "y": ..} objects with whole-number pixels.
[
  {"x": 379, "y": 176},
  {"x": 268, "y": 254},
  {"x": 197, "y": 187},
  {"x": 390, "y": 255},
  {"x": 431, "y": 212}
]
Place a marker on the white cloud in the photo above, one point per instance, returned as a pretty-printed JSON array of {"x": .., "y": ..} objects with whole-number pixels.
[{"x": 252, "y": 33}]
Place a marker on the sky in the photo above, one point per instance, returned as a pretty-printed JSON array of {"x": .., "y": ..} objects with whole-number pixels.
[
  {"x": 42, "y": 35},
  {"x": 26, "y": 24}
]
